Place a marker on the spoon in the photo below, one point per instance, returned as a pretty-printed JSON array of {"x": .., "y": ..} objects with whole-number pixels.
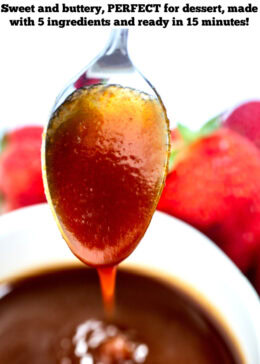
[
  {"x": 111, "y": 66},
  {"x": 105, "y": 154}
]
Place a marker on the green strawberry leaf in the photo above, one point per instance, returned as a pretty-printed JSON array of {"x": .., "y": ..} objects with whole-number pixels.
[
  {"x": 171, "y": 161},
  {"x": 190, "y": 136},
  {"x": 3, "y": 142},
  {"x": 212, "y": 125},
  {"x": 187, "y": 134}
]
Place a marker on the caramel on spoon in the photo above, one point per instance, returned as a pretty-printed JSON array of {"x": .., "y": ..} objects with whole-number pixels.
[{"x": 105, "y": 158}]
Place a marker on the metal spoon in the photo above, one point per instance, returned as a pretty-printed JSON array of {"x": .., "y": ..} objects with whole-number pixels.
[{"x": 111, "y": 67}]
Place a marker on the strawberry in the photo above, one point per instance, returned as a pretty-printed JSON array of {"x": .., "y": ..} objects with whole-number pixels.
[
  {"x": 20, "y": 168},
  {"x": 23, "y": 135},
  {"x": 214, "y": 185},
  {"x": 84, "y": 80},
  {"x": 245, "y": 120}
]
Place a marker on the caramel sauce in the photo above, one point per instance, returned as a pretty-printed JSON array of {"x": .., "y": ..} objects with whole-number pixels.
[
  {"x": 57, "y": 317},
  {"x": 107, "y": 278},
  {"x": 106, "y": 161}
]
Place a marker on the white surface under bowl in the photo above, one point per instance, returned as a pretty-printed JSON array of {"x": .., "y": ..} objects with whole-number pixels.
[{"x": 29, "y": 238}]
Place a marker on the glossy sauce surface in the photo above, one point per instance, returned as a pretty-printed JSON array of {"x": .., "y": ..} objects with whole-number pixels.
[
  {"x": 106, "y": 158},
  {"x": 57, "y": 318}
]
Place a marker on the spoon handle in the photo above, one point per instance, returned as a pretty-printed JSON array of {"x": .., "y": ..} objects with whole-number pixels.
[{"x": 117, "y": 42}]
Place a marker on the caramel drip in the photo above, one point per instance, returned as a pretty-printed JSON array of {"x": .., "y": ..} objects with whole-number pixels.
[{"x": 107, "y": 277}]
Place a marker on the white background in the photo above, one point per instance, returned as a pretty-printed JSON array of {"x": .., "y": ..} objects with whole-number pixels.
[{"x": 198, "y": 71}]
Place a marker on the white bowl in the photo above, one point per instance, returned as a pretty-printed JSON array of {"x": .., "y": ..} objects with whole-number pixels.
[{"x": 170, "y": 249}]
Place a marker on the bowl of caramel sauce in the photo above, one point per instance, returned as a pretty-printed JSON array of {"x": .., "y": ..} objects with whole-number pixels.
[{"x": 179, "y": 299}]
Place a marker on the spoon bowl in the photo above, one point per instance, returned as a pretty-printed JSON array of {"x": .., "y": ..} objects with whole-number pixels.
[{"x": 105, "y": 156}]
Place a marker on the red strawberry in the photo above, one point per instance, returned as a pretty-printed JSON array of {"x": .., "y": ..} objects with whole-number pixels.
[
  {"x": 215, "y": 186},
  {"x": 245, "y": 120},
  {"x": 20, "y": 168},
  {"x": 84, "y": 80},
  {"x": 26, "y": 134}
]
